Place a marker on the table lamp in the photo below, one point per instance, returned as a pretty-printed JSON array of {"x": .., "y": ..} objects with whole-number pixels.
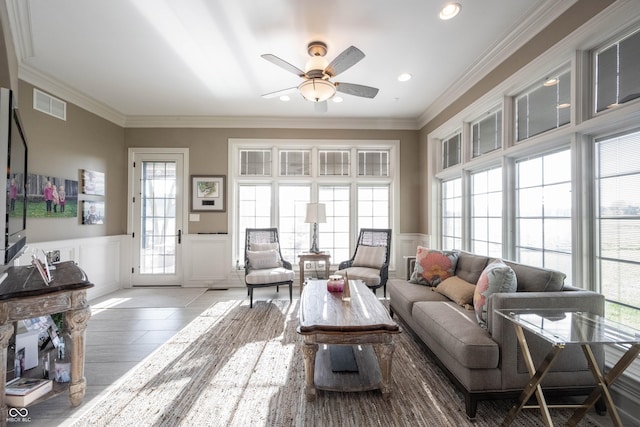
[{"x": 316, "y": 212}]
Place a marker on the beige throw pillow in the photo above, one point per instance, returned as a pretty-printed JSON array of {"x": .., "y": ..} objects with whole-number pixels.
[
  {"x": 457, "y": 290},
  {"x": 369, "y": 256},
  {"x": 264, "y": 259}
]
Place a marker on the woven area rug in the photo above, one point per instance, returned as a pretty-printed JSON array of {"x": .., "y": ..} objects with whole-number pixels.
[{"x": 236, "y": 366}]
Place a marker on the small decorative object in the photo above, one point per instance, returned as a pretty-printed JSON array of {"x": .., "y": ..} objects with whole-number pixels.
[
  {"x": 335, "y": 283},
  {"x": 346, "y": 293}
]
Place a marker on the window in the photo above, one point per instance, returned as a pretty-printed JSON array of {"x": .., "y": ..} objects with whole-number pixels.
[
  {"x": 618, "y": 224},
  {"x": 334, "y": 235},
  {"x": 334, "y": 163},
  {"x": 254, "y": 211},
  {"x": 451, "y": 151},
  {"x": 486, "y": 212},
  {"x": 543, "y": 215},
  {"x": 294, "y": 163},
  {"x": 487, "y": 134},
  {"x": 617, "y": 73},
  {"x": 373, "y": 163},
  {"x": 373, "y": 206},
  {"x": 255, "y": 162},
  {"x": 544, "y": 107},
  {"x": 452, "y": 214},
  {"x": 274, "y": 194},
  {"x": 294, "y": 233}
]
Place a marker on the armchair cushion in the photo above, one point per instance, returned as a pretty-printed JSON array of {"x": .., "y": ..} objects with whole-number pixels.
[
  {"x": 432, "y": 267},
  {"x": 264, "y": 246},
  {"x": 269, "y": 275},
  {"x": 370, "y": 276},
  {"x": 264, "y": 259},
  {"x": 370, "y": 256}
]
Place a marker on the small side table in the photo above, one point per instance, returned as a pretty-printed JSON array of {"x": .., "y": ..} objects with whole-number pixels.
[
  {"x": 561, "y": 328},
  {"x": 310, "y": 256}
]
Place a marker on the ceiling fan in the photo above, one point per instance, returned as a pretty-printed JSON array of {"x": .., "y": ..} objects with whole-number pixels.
[{"x": 317, "y": 86}]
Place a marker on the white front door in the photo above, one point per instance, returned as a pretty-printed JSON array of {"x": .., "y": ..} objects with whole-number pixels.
[{"x": 157, "y": 205}]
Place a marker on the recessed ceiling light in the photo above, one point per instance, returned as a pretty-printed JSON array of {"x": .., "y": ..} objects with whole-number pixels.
[
  {"x": 565, "y": 105},
  {"x": 337, "y": 99},
  {"x": 404, "y": 77},
  {"x": 550, "y": 82},
  {"x": 285, "y": 98},
  {"x": 449, "y": 11}
]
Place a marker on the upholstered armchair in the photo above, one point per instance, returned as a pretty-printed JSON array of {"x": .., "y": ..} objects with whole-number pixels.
[
  {"x": 263, "y": 263},
  {"x": 370, "y": 261}
]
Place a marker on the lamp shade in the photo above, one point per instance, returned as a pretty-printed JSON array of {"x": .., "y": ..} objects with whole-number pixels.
[
  {"x": 317, "y": 90},
  {"x": 316, "y": 213}
]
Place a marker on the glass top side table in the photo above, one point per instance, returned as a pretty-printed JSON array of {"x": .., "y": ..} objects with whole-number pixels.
[{"x": 561, "y": 328}]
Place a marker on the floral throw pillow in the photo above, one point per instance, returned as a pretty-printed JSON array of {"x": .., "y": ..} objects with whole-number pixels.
[
  {"x": 432, "y": 266},
  {"x": 496, "y": 277}
]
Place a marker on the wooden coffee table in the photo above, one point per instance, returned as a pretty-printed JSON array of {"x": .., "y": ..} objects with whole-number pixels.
[{"x": 362, "y": 322}]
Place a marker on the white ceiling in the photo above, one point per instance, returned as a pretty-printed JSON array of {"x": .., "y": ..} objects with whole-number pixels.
[{"x": 137, "y": 60}]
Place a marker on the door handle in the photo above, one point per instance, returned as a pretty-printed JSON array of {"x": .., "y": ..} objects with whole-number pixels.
[{"x": 179, "y": 236}]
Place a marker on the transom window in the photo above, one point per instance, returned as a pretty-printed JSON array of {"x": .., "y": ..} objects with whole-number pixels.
[
  {"x": 487, "y": 134},
  {"x": 452, "y": 151}
]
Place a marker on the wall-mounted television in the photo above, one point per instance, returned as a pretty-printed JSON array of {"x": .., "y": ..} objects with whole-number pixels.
[{"x": 13, "y": 201}]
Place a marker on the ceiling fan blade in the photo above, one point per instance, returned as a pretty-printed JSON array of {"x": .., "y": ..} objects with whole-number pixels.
[
  {"x": 357, "y": 90},
  {"x": 280, "y": 93},
  {"x": 347, "y": 59},
  {"x": 320, "y": 107},
  {"x": 283, "y": 64}
]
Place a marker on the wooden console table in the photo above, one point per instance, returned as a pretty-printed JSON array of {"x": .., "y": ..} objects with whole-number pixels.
[{"x": 24, "y": 295}]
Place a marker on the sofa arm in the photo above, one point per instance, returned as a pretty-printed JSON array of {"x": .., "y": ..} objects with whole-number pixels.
[
  {"x": 569, "y": 300},
  {"x": 570, "y": 369}
]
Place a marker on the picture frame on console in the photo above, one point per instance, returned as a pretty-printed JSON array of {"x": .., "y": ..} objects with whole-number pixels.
[{"x": 208, "y": 193}]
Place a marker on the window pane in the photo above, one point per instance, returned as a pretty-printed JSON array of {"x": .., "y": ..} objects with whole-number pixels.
[
  {"x": 543, "y": 217},
  {"x": 294, "y": 163},
  {"x": 294, "y": 233},
  {"x": 618, "y": 73},
  {"x": 618, "y": 221},
  {"x": 255, "y": 162},
  {"x": 451, "y": 151},
  {"x": 487, "y": 134},
  {"x": 334, "y": 163},
  {"x": 373, "y": 207},
  {"x": 486, "y": 218},
  {"x": 373, "y": 163},
  {"x": 334, "y": 235},
  {"x": 452, "y": 214},
  {"x": 254, "y": 202}
]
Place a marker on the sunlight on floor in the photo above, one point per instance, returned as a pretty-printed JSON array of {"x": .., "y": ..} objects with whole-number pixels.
[{"x": 110, "y": 303}]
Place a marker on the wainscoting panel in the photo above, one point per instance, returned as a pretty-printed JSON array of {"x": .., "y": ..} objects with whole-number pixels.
[
  {"x": 206, "y": 260},
  {"x": 406, "y": 245}
]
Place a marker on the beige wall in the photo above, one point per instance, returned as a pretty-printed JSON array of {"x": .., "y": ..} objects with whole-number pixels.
[
  {"x": 61, "y": 149},
  {"x": 208, "y": 152}
]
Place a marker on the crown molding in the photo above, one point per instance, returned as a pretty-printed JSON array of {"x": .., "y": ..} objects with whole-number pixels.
[
  {"x": 69, "y": 94},
  {"x": 20, "y": 19},
  {"x": 268, "y": 123},
  {"x": 522, "y": 32}
]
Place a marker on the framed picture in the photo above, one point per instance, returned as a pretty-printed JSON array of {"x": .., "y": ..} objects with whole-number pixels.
[
  {"x": 92, "y": 212},
  {"x": 208, "y": 193},
  {"x": 92, "y": 182}
]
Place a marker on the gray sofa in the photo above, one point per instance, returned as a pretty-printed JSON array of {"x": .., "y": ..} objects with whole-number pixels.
[{"x": 487, "y": 363}]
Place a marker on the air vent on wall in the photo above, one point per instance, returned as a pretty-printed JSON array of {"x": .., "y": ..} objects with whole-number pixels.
[{"x": 49, "y": 105}]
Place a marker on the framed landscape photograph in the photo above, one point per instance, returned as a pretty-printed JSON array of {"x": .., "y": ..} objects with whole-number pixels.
[{"x": 208, "y": 193}]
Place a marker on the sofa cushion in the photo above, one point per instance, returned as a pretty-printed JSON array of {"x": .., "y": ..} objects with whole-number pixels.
[
  {"x": 433, "y": 266},
  {"x": 370, "y": 276},
  {"x": 536, "y": 279},
  {"x": 470, "y": 266},
  {"x": 457, "y": 330},
  {"x": 370, "y": 256},
  {"x": 403, "y": 295},
  {"x": 457, "y": 290},
  {"x": 496, "y": 277}
]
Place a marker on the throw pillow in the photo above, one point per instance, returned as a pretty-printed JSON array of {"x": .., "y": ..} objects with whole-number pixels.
[
  {"x": 496, "y": 277},
  {"x": 264, "y": 259},
  {"x": 432, "y": 267},
  {"x": 370, "y": 256},
  {"x": 264, "y": 246},
  {"x": 457, "y": 290}
]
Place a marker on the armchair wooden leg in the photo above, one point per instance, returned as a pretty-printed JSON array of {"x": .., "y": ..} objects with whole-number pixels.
[
  {"x": 250, "y": 297},
  {"x": 290, "y": 291}
]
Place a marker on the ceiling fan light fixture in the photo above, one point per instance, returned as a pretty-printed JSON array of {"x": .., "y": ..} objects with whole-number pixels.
[
  {"x": 449, "y": 11},
  {"x": 317, "y": 90},
  {"x": 316, "y": 63}
]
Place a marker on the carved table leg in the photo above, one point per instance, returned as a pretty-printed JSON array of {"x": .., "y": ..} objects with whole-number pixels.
[
  {"x": 385, "y": 356},
  {"x": 76, "y": 321},
  {"x": 6, "y": 331},
  {"x": 309, "y": 350}
]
